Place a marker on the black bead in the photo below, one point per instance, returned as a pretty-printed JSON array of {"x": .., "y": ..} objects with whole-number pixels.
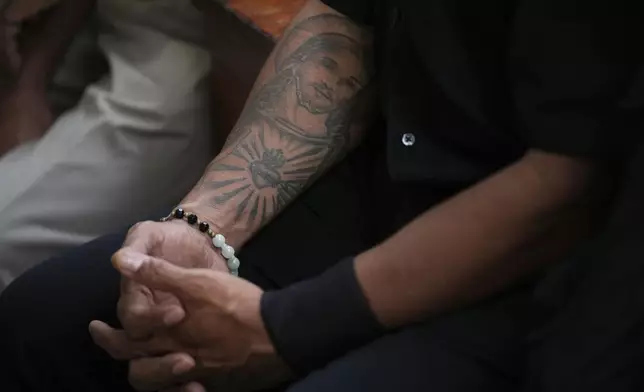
[
  {"x": 178, "y": 213},
  {"x": 203, "y": 227},
  {"x": 192, "y": 219}
]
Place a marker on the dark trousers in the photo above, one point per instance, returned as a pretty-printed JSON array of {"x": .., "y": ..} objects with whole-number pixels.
[{"x": 591, "y": 338}]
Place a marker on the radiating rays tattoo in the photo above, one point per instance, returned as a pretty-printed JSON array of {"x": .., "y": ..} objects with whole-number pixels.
[{"x": 270, "y": 173}]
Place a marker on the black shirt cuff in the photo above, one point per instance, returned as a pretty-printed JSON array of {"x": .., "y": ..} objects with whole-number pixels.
[{"x": 315, "y": 321}]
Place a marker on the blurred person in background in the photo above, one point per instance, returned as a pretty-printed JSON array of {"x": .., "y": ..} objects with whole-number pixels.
[{"x": 135, "y": 141}]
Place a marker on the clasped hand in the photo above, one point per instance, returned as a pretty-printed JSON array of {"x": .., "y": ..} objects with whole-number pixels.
[{"x": 204, "y": 331}]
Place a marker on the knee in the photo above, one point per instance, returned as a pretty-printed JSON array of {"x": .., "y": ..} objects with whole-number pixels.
[
  {"x": 20, "y": 312},
  {"x": 23, "y": 244},
  {"x": 18, "y": 322},
  {"x": 62, "y": 295},
  {"x": 44, "y": 318}
]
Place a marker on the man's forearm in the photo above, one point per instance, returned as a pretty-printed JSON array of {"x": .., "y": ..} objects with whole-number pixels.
[
  {"x": 301, "y": 118},
  {"x": 47, "y": 43},
  {"x": 477, "y": 242}
]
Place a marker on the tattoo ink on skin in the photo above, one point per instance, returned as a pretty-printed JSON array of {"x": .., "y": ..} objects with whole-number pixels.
[{"x": 296, "y": 125}]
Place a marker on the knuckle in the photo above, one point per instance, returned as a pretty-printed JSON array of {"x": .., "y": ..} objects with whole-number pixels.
[
  {"x": 134, "y": 228},
  {"x": 133, "y": 319},
  {"x": 146, "y": 225},
  {"x": 141, "y": 230},
  {"x": 130, "y": 301},
  {"x": 121, "y": 311},
  {"x": 136, "y": 311}
]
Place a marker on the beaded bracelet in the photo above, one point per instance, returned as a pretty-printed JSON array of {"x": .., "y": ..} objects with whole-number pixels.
[{"x": 218, "y": 240}]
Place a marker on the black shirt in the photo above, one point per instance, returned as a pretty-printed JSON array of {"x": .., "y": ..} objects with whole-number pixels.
[{"x": 466, "y": 88}]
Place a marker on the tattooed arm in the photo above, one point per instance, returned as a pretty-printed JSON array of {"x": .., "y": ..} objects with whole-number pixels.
[{"x": 303, "y": 115}]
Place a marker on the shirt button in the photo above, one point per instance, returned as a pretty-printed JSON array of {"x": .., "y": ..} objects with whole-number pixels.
[{"x": 408, "y": 139}]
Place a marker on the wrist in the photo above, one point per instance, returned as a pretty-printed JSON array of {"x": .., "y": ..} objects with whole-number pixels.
[
  {"x": 214, "y": 239},
  {"x": 267, "y": 366},
  {"x": 219, "y": 220},
  {"x": 261, "y": 343},
  {"x": 330, "y": 307}
]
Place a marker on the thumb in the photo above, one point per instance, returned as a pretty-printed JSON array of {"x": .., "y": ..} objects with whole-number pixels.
[
  {"x": 153, "y": 272},
  {"x": 139, "y": 240}
]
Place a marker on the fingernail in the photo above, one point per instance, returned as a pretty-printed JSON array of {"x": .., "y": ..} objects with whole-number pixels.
[
  {"x": 131, "y": 261},
  {"x": 182, "y": 367}
]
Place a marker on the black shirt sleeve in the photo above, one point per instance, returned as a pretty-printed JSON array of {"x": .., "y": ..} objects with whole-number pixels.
[
  {"x": 314, "y": 321},
  {"x": 576, "y": 70},
  {"x": 360, "y": 11}
]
